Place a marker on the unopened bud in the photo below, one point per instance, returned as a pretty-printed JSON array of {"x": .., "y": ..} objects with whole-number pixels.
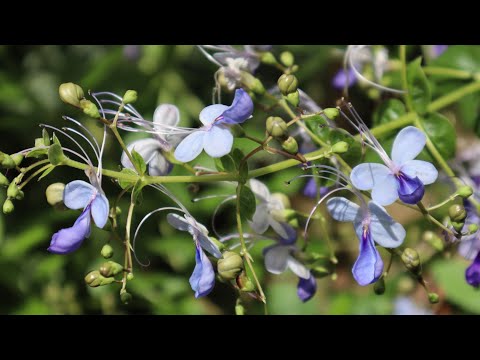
[
  {"x": 125, "y": 298},
  {"x": 472, "y": 228},
  {"x": 290, "y": 145},
  {"x": 252, "y": 83},
  {"x": 130, "y": 97},
  {"x": 239, "y": 308},
  {"x": 268, "y": 58},
  {"x": 89, "y": 108},
  {"x": 293, "y": 98},
  {"x": 411, "y": 259},
  {"x": 3, "y": 180},
  {"x": 340, "y": 147},
  {"x": 433, "y": 298},
  {"x": 320, "y": 272},
  {"x": 130, "y": 276},
  {"x": 331, "y": 113},
  {"x": 107, "y": 251},
  {"x": 12, "y": 190},
  {"x": 54, "y": 193},
  {"x": 379, "y": 287},
  {"x": 287, "y": 84},
  {"x": 17, "y": 158},
  {"x": 110, "y": 268},
  {"x": 465, "y": 192},
  {"x": 244, "y": 282},
  {"x": 8, "y": 207},
  {"x": 6, "y": 161},
  {"x": 287, "y": 58},
  {"x": 230, "y": 266},
  {"x": 71, "y": 93},
  {"x": 20, "y": 195},
  {"x": 457, "y": 213},
  {"x": 276, "y": 126},
  {"x": 95, "y": 279}
]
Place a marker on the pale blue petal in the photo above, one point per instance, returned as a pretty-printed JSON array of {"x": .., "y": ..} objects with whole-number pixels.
[
  {"x": 279, "y": 228},
  {"x": 240, "y": 110},
  {"x": 147, "y": 148},
  {"x": 159, "y": 166},
  {"x": 385, "y": 191},
  {"x": 209, "y": 114},
  {"x": 407, "y": 145},
  {"x": 369, "y": 265},
  {"x": 276, "y": 259},
  {"x": 78, "y": 194},
  {"x": 384, "y": 230},
  {"x": 208, "y": 245},
  {"x": 100, "y": 209},
  {"x": 178, "y": 222},
  {"x": 259, "y": 222},
  {"x": 68, "y": 240},
  {"x": 202, "y": 280},
  {"x": 365, "y": 176},
  {"x": 166, "y": 114},
  {"x": 424, "y": 170},
  {"x": 298, "y": 268},
  {"x": 218, "y": 141},
  {"x": 190, "y": 147},
  {"x": 260, "y": 190},
  {"x": 342, "y": 209}
]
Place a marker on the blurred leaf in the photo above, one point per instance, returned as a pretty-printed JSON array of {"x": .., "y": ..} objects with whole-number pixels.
[
  {"x": 138, "y": 162},
  {"x": 461, "y": 57},
  {"x": 125, "y": 183},
  {"x": 469, "y": 111},
  {"x": 388, "y": 111},
  {"x": 417, "y": 86},
  {"x": 442, "y": 134},
  {"x": 247, "y": 202},
  {"x": 283, "y": 299},
  {"x": 25, "y": 241},
  {"x": 228, "y": 164}
]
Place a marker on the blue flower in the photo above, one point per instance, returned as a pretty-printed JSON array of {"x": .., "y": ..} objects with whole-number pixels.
[
  {"x": 372, "y": 225},
  {"x": 165, "y": 116},
  {"x": 469, "y": 246},
  {"x": 311, "y": 189},
  {"x": 215, "y": 137},
  {"x": 344, "y": 79},
  {"x": 402, "y": 176},
  {"x": 202, "y": 280},
  {"x": 79, "y": 194},
  {"x": 279, "y": 257}
]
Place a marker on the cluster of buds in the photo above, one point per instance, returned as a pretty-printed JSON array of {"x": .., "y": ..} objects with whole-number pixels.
[
  {"x": 13, "y": 191},
  {"x": 278, "y": 129}
]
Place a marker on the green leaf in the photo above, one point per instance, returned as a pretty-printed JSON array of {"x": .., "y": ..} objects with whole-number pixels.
[
  {"x": 46, "y": 172},
  {"x": 55, "y": 140},
  {"x": 138, "y": 162},
  {"x": 126, "y": 183},
  {"x": 46, "y": 137},
  {"x": 55, "y": 154},
  {"x": 317, "y": 125},
  {"x": 218, "y": 164},
  {"x": 247, "y": 202},
  {"x": 450, "y": 276},
  {"x": 469, "y": 111},
  {"x": 419, "y": 94},
  {"x": 388, "y": 111},
  {"x": 442, "y": 133},
  {"x": 461, "y": 57},
  {"x": 137, "y": 196},
  {"x": 228, "y": 163},
  {"x": 237, "y": 155}
]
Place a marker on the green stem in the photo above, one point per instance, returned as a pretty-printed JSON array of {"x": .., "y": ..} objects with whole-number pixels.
[
  {"x": 128, "y": 253},
  {"x": 425, "y": 212},
  {"x": 43, "y": 168},
  {"x": 403, "y": 59},
  {"x": 447, "y": 72},
  {"x": 38, "y": 163},
  {"x": 122, "y": 144},
  {"x": 446, "y": 201}
]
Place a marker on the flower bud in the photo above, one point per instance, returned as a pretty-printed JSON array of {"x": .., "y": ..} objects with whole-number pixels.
[
  {"x": 95, "y": 279},
  {"x": 268, "y": 58},
  {"x": 320, "y": 272},
  {"x": 290, "y": 145},
  {"x": 472, "y": 228},
  {"x": 433, "y": 298},
  {"x": 12, "y": 190},
  {"x": 6, "y": 161},
  {"x": 287, "y": 58},
  {"x": 89, "y": 108},
  {"x": 411, "y": 259},
  {"x": 17, "y": 158},
  {"x": 3, "y": 180},
  {"x": 125, "y": 297},
  {"x": 110, "y": 268},
  {"x": 230, "y": 266},
  {"x": 71, "y": 93},
  {"x": 287, "y": 84},
  {"x": 130, "y": 97},
  {"x": 252, "y": 83},
  {"x": 379, "y": 286},
  {"x": 431, "y": 238},
  {"x": 8, "y": 207},
  {"x": 276, "y": 126},
  {"x": 284, "y": 199},
  {"x": 331, "y": 113},
  {"x": 107, "y": 251},
  {"x": 54, "y": 193},
  {"x": 20, "y": 195},
  {"x": 239, "y": 308},
  {"x": 244, "y": 282},
  {"x": 457, "y": 213},
  {"x": 458, "y": 226},
  {"x": 340, "y": 147},
  {"x": 293, "y": 98},
  {"x": 465, "y": 192},
  {"x": 130, "y": 276}
]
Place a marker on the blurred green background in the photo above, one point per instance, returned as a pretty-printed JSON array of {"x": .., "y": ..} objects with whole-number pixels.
[{"x": 33, "y": 281}]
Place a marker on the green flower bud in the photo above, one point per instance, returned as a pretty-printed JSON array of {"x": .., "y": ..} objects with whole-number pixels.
[
  {"x": 8, "y": 207},
  {"x": 130, "y": 276},
  {"x": 89, "y": 108},
  {"x": 457, "y": 213},
  {"x": 379, "y": 287},
  {"x": 276, "y": 126},
  {"x": 17, "y": 159},
  {"x": 95, "y": 279},
  {"x": 107, "y": 251},
  {"x": 287, "y": 58},
  {"x": 268, "y": 58},
  {"x": 71, "y": 93},
  {"x": 411, "y": 259},
  {"x": 54, "y": 193},
  {"x": 431, "y": 238},
  {"x": 472, "y": 228},
  {"x": 465, "y": 192},
  {"x": 331, "y": 113},
  {"x": 287, "y": 84},
  {"x": 244, "y": 282},
  {"x": 12, "y": 190},
  {"x": 290, "y": 145},
  {"x": 230, "y": 266},
  {"x": 458, "y": 226},
  {"x": 239, "y": 308},
  {"x": 293, "y": 223},
  {"x": 252, "y": 83},
  {"x": 293, "y": 98},
  {"x": 294, "y": 69},
  {"x": 340, "y": 147},
  {"x": 20, "y": 195},
  {"x": 284, "y": 199},
  {"x": 433, "y": 298},
  {"x": 320, "y": 272},
  {"x": 130, "y": 97},
  {"x": 110, "y": 268},
  {"x": 3, "y": 180},
  {"x": 6, "y": 161},
  {"x": 125, "y": 298}
]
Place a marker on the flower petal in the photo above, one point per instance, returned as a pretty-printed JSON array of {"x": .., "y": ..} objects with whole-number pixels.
[
  {"x": 384, "y": 230},
  {"x": 472, "y": 274},
  {"x": 208, "y": 245},
  {"x": 209, "y": 114},
  {"x": 311, "y": 189},
  {"x": 147, "y": 148},
  {"x": 218, "y": 141},
  {"x": 190, "y": 147},
  {"x": 385, "y": 191},
  {"x": 100, "y": 208},
  {"x": 77, "y": 194},
  {"x": 369, "y": 265},
  {"x": 260, "y": 190},
  {"x": 240, "y": 110},
  {"x": 342, "y": 209},
  {"x": 278, "y": 227},
  {"x": 202, "y": 280},
  {"x": 407, "y": 145},
  {"x": 259, "y": 222},
  {"x": 291, "y": 237},
  {"x": 159, "y": 165},
  {"x": 365, "y": 176},
  {"x": 298, "y": 268},
  {"x": 166, "y": 114},
  {"x": 340, "y": 79},
  {"x": 276, "y": 258},
  {"x": 424, "y": 170},
  {"x": 68, "y": 240},
  {"x": 410, "y": 190},
  {"x": 306, "y": 288},
  {"x": 178, "y": 222}
]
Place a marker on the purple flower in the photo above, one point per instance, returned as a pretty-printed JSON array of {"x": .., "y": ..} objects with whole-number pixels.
[
  {"x": 472, "y": 274},
  {"x": 401, "y": 176},
  {"x": 77, "y": 195},
  {"x": 215, "y": 137},
  {"x": 438, "y": 50},
  {"x": 470, "y": 246},
  {"x": 311, "y": 189},
  {"x": 372, "y": 225},
  {"x": 202, "y": 280},
  {"x": 306, "y": 288},
  {"x": 344, "y": 79}
]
